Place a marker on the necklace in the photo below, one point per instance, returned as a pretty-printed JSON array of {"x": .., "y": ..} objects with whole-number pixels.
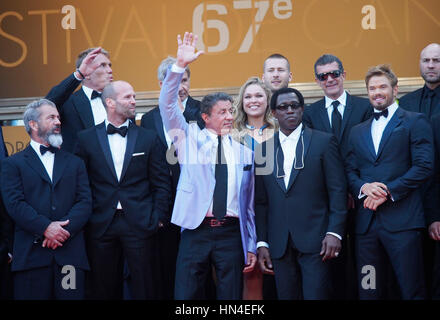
[{"x": 260, "y": 131}]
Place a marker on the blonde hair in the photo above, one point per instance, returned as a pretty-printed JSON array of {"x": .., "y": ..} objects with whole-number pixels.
[{"x": 240, "y": 116}]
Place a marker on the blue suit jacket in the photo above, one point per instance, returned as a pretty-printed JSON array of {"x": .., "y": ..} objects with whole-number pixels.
[
  {"x": 34, "y": 201},
  {"x": 197, "y": 178},
  {"x": 404, "y": 162}
]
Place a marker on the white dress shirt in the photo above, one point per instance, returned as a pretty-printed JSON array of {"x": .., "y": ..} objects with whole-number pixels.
[
  {"x": 232, "y": 196},
  {"x": 118, "y": 144},
  {"x": 98, "y": 109},
  {"x": 288, "y": 145},
  {"x": 47, "y": 159},
  {"x": 341, "y": 107}
]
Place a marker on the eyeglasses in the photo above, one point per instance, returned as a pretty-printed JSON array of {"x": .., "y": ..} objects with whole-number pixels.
[
  {"x": 324, "y": 76},
  {"x": 293, "y": 106}
]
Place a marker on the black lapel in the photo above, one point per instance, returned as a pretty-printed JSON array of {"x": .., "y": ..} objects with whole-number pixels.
[
  {"x": 278, "y": 172},
  {"x": 322, "y": 110},
  {"x": 35, "y": 163},
  {"x": 105, "y": 146},
  {"x": 347, "y": 113},
  {"x": 59, "y": 165},
  {"x": 307, "y": 137},
  {"x": 393, "y": 123},
  {"x": 159, "y": 127},
  {"x": 367, "y": 138},
  {"x": 84, "y": 109},
  {"x": 131, "y": 141}
]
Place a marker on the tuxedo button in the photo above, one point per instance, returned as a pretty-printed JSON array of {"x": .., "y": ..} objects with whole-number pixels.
[{"x": 54, "y": 208}]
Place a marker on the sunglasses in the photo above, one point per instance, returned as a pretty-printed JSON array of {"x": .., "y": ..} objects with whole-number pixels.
[
  {"x": 324, "y": 76},
  {"x": 293, "y": 106}
]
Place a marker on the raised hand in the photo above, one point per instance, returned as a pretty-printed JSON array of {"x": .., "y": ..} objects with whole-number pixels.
[
  {"x": 87, "y": 65},
  {"x": 186, "y": 49}
]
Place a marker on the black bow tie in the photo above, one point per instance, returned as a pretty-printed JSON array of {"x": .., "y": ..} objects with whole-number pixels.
[
  {"x": 95, "y": 94},
  {"x": 111, "y": 129},
  {"x": 377, "y": 115},
  {"x": 44, "y": 149}
]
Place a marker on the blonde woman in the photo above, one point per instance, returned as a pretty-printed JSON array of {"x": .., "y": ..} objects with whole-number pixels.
[
  {"x": 253, "y": 119},
  {"x": 253, "y": 124}
]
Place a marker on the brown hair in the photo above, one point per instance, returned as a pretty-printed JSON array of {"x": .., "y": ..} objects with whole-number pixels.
[{"x": 381, "y": 70}]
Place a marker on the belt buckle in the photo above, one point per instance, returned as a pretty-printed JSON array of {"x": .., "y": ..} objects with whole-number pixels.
[{"x": 215, "y": 223}]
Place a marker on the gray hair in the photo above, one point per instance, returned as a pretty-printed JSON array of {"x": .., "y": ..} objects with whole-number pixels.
[
  {"x": 32, "y": 112},
  {"x": 164, "y": 65}
]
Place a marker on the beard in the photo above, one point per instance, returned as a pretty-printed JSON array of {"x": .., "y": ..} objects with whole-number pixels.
[
  {"x": 55, "y": 139},
  {"x": 431, "y": 80}
]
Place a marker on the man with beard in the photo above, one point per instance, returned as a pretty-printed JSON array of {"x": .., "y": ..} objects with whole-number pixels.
[
  {"x": 131, "y": 191},
  {"x": 390, "y": 157},
  {"x": 276, "y": 72},
  {"x": 427, "y": 101},
  {"x": 46, "y": 192}
]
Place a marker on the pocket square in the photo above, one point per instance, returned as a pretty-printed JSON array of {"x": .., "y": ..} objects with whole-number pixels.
[
  {"x": 247, "y": 167},
  {"x": 138, "y": 154}
]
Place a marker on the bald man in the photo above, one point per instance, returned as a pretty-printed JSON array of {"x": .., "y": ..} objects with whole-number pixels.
[
  {"x": 427, "y": 100},
  {"x": 131, "y": 190}
]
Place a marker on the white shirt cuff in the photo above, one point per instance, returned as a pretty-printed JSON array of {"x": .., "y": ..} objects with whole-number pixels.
[
  {"x": 361, "y": 195},
  {"x": 76, "y": 76},
  {"x": 335, "y": 234},
  {"x": 262, "y": 244},
  {"x": 175, "y": 68}
]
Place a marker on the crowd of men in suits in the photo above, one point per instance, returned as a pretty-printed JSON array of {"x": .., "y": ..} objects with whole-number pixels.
[{"x": 338, "y": 204}]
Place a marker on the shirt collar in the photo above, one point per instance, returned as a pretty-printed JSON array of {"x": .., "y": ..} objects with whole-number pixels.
[
  {"x": 391, "y": 109},
  {"x": 342, "y": 100},
  {"x": 426, "y": 90},
  {"x": 184, "y": 102},
  {"x": 126, "y": 123},
  {"x": 88, "y": 91},
  {"x": 213, "y": 136},
  {"x": 293, "y": 136},
  {"x": 36, "y": 146}
]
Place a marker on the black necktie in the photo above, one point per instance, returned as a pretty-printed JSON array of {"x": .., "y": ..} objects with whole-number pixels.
[
  {"x": 111, "y": 129},
  {"x": 44, "y": 149},
  {"x": 426, "y": 107},
  {"x": 95, "y": 94},
  {"x": 221, "y": 183},
  {"x": 336, "y": 119},
  {"x": 377, "y": 115}
]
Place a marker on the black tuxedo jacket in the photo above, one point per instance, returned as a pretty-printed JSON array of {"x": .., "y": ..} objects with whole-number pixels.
[
  {"x": 314, "y": 203},
  {"x": 144, "y": 187},
  {"x": 33, "y": 201},
  {"x": 405, "y": 161},
  {"x": 356, "y": 111},
  {"x": 75, "y": 110},
  {"x": 411, "y": 101}
]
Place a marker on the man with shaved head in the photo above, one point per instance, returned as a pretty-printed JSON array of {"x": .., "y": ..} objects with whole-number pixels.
[
  {"x": 427, "y": 100},
  {"x": 131, "y": 192}
]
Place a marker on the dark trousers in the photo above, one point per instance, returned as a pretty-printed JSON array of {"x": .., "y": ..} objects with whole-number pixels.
[
  {"x": 106, "y": 257},
  {"x": 6, "y": 289},
  {"x": 168, "y": 243},
  {"x": 48, "y": 283},
  {"x": 343, "y": 268},
  {"x": 301, "y": 275},
  {"x": 404, "y": 250},
  {"x": 202, "y": 248}
]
